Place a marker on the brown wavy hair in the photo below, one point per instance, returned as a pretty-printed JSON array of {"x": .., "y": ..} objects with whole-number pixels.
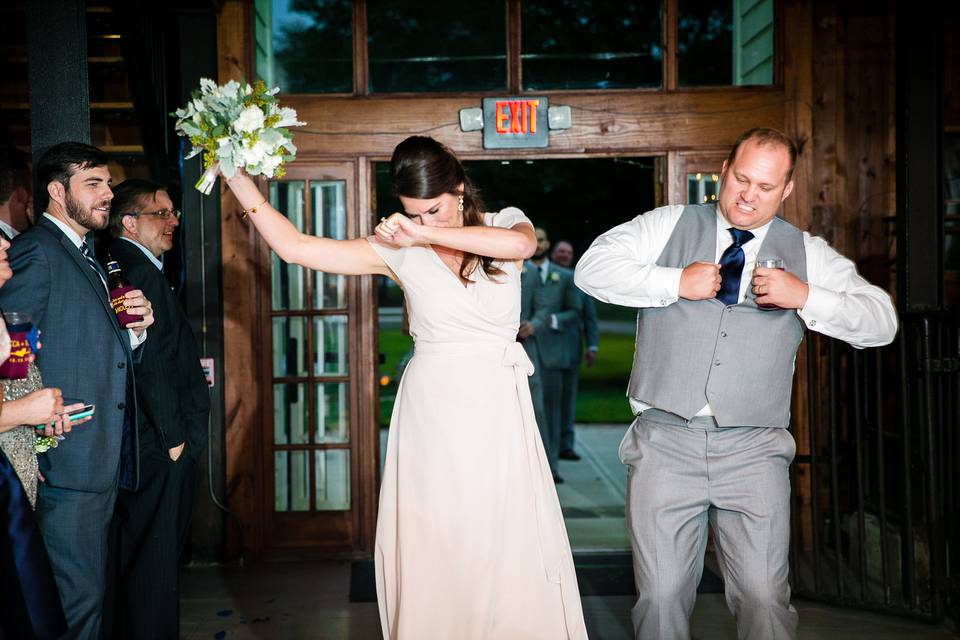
[{"x": 423, "y": 168}]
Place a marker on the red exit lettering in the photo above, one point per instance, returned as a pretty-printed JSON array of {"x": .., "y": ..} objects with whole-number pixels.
[{"x": 516, "y": 116}]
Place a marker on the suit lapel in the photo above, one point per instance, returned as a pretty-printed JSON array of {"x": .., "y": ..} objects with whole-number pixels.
[{"x": 98, "y": 288}]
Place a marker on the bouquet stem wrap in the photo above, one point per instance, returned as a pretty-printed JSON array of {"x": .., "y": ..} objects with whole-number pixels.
[{"x": 208, "y": 179}]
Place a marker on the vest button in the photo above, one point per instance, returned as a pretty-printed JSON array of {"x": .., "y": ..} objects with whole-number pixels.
[
  {"x": 121, "y": 406},
  {"x": 121, "y": 365},
  {"x": 723, "y": 334},
  {"x": 716, "y": 363}
]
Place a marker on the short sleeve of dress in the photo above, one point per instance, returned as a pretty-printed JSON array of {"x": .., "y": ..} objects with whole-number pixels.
[
  {"x": 506, "y": 218},
  {"x": 393, "y": 256}
]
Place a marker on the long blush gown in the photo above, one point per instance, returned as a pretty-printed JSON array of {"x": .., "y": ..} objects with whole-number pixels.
[{"x": 471, "y": 542}]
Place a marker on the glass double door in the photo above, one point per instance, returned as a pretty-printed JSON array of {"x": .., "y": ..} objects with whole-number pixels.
[{"x": 309, "y": 462}]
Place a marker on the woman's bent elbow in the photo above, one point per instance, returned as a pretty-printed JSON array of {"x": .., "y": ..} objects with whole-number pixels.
[{"x": 526, "y": 248}]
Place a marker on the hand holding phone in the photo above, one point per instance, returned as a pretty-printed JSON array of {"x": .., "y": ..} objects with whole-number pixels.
[{"x": 72, "y": 415}]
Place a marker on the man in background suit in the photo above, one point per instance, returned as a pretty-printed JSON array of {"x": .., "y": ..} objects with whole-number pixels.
[
  {"x": 562, "y": 255},
  {"x": 152, "y": 523},
  {"x": 533, "y": 318},
  {"x": 16, "y": 193},
  {"x": 87, "y": 355},
  {"x": 563, "y": 303}
]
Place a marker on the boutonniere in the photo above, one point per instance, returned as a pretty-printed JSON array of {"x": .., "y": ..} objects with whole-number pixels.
[{"x": 555, "y": 277}]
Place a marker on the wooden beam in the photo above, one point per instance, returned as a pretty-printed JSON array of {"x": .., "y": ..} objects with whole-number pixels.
[
  {"x": 797, "y": 61},
  {"x": 670, "y": 32},
  {"x": 241, "y": 323},
  {"x": 361, "y": 83},
  {"x": 514, "y": 46},
  {"x": 645, "y": 122}
]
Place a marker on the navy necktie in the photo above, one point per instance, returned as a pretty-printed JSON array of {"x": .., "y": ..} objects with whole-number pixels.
[{"x": 731, "y": 267}]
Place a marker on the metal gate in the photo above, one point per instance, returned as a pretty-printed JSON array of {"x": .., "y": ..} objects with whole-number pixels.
[{"x": 875, "y": 508}]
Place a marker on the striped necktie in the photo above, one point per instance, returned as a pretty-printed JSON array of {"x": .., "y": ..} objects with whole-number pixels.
[{"x": 88, "y": 255}]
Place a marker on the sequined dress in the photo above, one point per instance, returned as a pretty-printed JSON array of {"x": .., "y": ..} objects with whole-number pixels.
[{"x": 18, "y": 443}]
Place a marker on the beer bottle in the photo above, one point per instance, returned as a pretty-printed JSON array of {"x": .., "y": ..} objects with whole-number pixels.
[{"x": 119, "y": 287}]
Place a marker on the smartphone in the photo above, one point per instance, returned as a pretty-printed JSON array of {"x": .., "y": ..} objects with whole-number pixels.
[{"x": 83, "y": 412}]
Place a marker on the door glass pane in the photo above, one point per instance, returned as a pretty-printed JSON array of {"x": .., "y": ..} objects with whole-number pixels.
[
  {"x": 591, "y": 44},
  {"x": 333, "y": 480},
  {"x": 328, "y": 203},
  {"x": 333, "y": 417},
  {"x": 291, "y": 480},
  {"x": 289, "y": 347},
  {"x": 304, "y": 46},
  {"x": 330, "y": 336},
  {"x": 287, "y": 283},
  {"x": 457, "y": 45},
  {"x": 291, "y": 414},
  {"x": 702, "y": 188},
  {"x": 725, "y": 43}
]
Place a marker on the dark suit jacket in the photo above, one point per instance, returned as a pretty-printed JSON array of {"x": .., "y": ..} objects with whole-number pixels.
[
  {"x": 171, "y": 389},
  {"x": 85, "y": 353}
]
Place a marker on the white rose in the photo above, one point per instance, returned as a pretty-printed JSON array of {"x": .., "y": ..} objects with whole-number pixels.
[
  {"x": 270, "y": 164},
  {"x": 249, "y": 120},
  {"x": 254, "y": 154}
]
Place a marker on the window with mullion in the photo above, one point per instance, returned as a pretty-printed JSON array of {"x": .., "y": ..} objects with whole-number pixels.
[{"x": 309, "y": 359}]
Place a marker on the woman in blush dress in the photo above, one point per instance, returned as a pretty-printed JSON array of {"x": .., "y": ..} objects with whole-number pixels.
[{"x": 470, "y": 541}]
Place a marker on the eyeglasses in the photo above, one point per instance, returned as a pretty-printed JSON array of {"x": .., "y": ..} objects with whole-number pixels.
[{"x": 162, "y": 214}]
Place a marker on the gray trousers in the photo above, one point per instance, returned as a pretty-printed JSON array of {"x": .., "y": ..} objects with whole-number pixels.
[
  {"x": 536, "y": 394},
  {"x": 568, "y": 438},
  {"x": 556, "y": 405},
  {"x": 680, "y": 477},
  {"x": 75, "y": 527}
]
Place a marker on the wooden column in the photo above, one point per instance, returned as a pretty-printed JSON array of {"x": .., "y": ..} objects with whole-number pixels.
[{"x": 243, "y": 378}]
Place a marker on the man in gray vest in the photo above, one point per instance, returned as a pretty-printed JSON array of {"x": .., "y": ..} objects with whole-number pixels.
[{"x": 712, "y": 378}]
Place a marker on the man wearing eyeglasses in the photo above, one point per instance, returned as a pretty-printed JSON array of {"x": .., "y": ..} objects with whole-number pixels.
[{"x": 151, "y": 524}]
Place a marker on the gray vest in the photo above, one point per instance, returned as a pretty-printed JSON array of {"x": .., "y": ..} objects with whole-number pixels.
[{"x": 737, "y": 358}]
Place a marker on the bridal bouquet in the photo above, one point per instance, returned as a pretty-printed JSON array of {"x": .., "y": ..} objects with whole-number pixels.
[{"x": 237, "y": 126}]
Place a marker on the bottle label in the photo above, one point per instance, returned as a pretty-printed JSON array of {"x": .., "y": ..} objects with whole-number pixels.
[{"x": 120, "y": 308}]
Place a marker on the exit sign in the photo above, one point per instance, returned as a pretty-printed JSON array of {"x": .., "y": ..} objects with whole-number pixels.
[{"x": 515, "y": 123}]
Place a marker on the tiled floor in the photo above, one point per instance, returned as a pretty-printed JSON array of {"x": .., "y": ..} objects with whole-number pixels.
[{"x": 309, "y": 600}]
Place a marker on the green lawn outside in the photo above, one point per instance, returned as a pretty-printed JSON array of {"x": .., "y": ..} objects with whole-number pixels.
[{"x": 601, "y": 397}]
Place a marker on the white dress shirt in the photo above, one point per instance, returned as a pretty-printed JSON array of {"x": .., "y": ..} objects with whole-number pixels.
[
  {"x": 620, "y": 268},
  {"x": 135, "y": 340},
  {"x": 8, "y": 229}
]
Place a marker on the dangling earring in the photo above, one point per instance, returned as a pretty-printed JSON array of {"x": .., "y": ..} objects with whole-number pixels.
[{"x": 460, "y": 205}]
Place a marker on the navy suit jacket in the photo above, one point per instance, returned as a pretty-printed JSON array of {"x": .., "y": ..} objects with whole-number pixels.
[{"x": 85, "y": 354}]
